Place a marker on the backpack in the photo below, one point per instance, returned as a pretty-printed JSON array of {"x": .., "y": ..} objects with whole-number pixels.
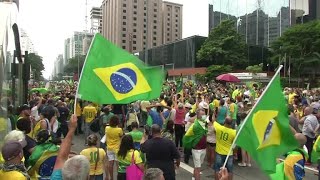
[{"x": 95, "y": 125}]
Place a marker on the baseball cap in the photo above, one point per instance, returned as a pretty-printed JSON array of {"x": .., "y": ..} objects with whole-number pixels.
[{"x": 11, "y": 150}]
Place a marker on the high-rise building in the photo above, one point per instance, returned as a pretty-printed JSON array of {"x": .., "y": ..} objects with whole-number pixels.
[
  {"x": 138, "y": 24},
  {"x": 25, "y": 42},
  {"x": 67, "y": 46},
  {"x": 58, "y": 65},
  {"x": 172, "y": 21},
  {"x": 96, "y": 20}
]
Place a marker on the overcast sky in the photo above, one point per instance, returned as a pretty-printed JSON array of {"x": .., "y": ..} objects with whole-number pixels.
[{"x": 50, "y": 22}]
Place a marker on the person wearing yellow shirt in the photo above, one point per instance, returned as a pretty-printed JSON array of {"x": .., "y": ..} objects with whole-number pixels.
[
  {"x": 97, "y": 158},
  {"x": 224, "y": 138},
  {"x": 113, "y": 138},
  {"x": 13, "y": 168},
  {"x": 291, "y": 96},
  {"x": 90, "y": 113},
  {"x": 79, "y": 116}
]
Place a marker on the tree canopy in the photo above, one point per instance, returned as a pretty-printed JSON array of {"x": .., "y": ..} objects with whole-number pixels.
[
  {"x": 224, "y": 46},
  {"x": 255, "y": 68},
  {"x": 36, "y": 65},
  {"x": 301, "y": 43},
  {"x": 72, "y": 65}
]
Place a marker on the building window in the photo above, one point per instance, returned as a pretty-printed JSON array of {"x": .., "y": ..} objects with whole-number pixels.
[
  {"x": 176, "y": 20},
  {"x": 124, "y": 47},
  {"x": 155, "y": 15},
  {"x": 176, "y": 35},
  {"x": 135, "y": 7},
  {"x": 124, "y": 11},
  {"x": 176, "y": 15},
  {"x": 124, "y": 5},
  {"x": 145, "y": 14},
  {"x": 134, "y": 24},
  {"x": 124, "y": 29},
  {"x": 144, "y": 26},
  {"x": 144, "y": 37},
  {"x": 134, "y": 48},
  {"x": 155, "y": 38},
  {"x": 168, "y": 39},
  {"x": 123, "y": 41},
  {"x": 155, "y": 4},
  {"x": 154, "y": 27},
  {"x": 145, "y": 8},
  {"x": 176, "y": 25},
  {"x": 124, "y": 17},
  {"x": 144, "y": 20},
  {"x": 155, "y": 10},
  {"x": 144, "y": 43},
  {"x": 176, "y": 30},
  {"x": 144, "y": 31},
  {"x": 134, "y": 36},
  {"x": 134, "y": 30},
  {"x": 134, "y": 42},
  {"x": 168, "y": 19},
  {"x": 124, "y": 35},
  {"x": 169, "y": 14},
  {"x": 154, "y": 44},
  {"x": 124, "y": 23},
  {"x": 154, "y": 33},
  {"x": 168, "y": 24},
  {"x": 134, "y": 18},
  {"x": 177, "y": 10},
  {"x": 168, "y": 29},
  {"x": 135, "y": 1},
  {"x": 168, "y": 34},
  {"x": 155, "y": 21},
  {"x": 134, "y": 12}
]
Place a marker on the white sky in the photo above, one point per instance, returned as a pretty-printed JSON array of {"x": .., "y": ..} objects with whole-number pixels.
[{"x": 49, "y": 22}]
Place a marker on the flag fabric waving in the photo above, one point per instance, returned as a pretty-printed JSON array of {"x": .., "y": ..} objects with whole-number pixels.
[
  {"x": 194, "y": 134},
  {"x": 266, "y": 134},
  {"x": 179, "y": 83},
  {"x": 111, "y": 75}
]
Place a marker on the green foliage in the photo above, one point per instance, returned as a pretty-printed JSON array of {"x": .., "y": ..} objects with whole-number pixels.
[
  {"x": 215, "y": 70},
  {"x": 200, "y": 78},
  {"x": 255, "y": 68},
  {"x": 224, "y": 46},
  {"x": 36, "y": 65},
  {"x": 72, "y": 65},
  {"x": 301, "y": 43}
]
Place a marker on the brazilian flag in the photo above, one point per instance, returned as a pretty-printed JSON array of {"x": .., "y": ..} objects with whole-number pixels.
[
  {"x": 265, "y": 133},
  {"x": 179, "y": 83},
  {"x": 194, "y": 134},
  {"x": 111, "y": 75}
]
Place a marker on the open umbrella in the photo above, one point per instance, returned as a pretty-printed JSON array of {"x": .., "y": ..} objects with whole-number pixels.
[
  {"x": 41, "y": 90},
  {"x": 227, "y": 78}
]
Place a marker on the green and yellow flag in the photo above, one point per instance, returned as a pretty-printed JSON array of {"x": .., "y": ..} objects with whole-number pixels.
[
  {"x": 113, "y": 76},
  {"x": 194, "y": 134},
  {"x": 179, "y": 83},
  {"x": 266, "y": 134},
  {"x": 315, "y": 155}
]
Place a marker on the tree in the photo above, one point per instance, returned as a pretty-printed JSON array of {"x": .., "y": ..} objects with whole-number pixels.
[
  {"x": 301, "y": 44},
  {"x": 36, "y": 65},
  {"x": 224, "y": 46},
  {"x": 255, "y": 68},
  {"x": 215, "y": 70},
  {"x": 72, "y": 65}
]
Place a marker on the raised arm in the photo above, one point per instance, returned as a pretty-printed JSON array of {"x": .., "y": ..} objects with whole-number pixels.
[{"x": 66, "y": 144}]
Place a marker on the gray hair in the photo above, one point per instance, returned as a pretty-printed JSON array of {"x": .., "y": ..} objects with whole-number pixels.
[
  {"x": 16, "y": 135},
  {"x": 76, "y": 168},
  {"x": 153, "y": 174}
]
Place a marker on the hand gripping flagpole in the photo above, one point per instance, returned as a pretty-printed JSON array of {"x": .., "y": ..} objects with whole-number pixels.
[{"x": 247, "y": 117}]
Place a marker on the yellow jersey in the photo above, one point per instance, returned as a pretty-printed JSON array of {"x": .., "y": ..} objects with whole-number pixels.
[
  {"x": 224, "y": 138},
  {"x": 16, "y": 175},
  {"x": 113, "y": 138},
  {"x": 216, "y": 103},
  {"x": 92, "y": 154},
  {"x": 89, "y": 113},
  {"x": 291, "y": 98}
]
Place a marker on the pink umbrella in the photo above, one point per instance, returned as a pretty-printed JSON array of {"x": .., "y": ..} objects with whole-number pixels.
[{"x": 227, "y": 78}]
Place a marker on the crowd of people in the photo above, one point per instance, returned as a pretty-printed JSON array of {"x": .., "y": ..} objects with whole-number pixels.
[{"x": 144, "y": 138}]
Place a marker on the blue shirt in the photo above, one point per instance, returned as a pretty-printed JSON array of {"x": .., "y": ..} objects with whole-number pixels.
[
  {"x": 56, "y": 175},
  {"x": 156, "y": 118}
]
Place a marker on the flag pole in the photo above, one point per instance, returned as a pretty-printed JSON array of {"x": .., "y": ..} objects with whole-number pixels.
[
  {"x": 85, "y": 61},
  {"x": 247, "y": 117}
]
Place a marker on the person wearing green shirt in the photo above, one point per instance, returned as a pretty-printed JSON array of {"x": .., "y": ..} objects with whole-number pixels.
[
  {"x": 136, "y": 135},
  {"x": 315, "y": 155}
]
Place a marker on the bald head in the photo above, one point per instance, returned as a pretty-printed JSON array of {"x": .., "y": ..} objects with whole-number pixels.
[
  {"x": 228, "y": 121},
  {"x": 301, "y": 139},
  {"x": 308, "y": 110}
]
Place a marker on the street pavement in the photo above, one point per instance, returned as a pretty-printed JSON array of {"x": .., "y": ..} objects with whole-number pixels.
[{"x": 185, "y": 171}]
